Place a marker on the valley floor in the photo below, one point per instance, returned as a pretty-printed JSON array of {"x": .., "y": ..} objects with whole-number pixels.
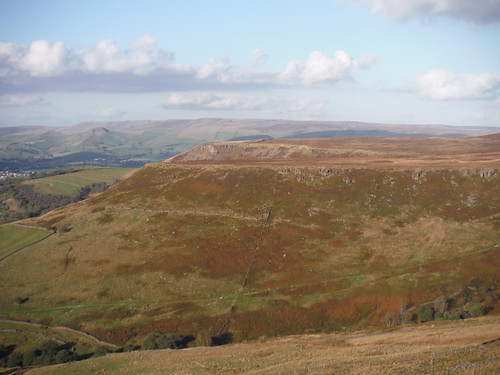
[{"x": 469, "y": 346}]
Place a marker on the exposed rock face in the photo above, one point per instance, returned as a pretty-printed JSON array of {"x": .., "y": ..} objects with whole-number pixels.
[{"x": 479, "y": 152}]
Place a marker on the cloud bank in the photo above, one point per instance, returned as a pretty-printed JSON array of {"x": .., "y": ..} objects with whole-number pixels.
[
  {"x": 19, "y": 100},
  {"x": 474, "y": 11},
  {"x": 104, "y": 67},
  {"x": 444, "y": 85},
  {"x": 234, "y": 102}
]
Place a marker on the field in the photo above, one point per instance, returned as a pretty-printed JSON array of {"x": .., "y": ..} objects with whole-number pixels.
[
  {"x": 16, "y": 237},
  {"x": 70, "y": 183},
  {"x": 31, "y": 196},
  {"x": 463, "y": 347}
]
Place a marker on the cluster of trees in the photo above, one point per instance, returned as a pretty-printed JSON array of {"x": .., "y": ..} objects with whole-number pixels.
[
  {"x": 474, "y": 300},
  {"x": 165, "y": 341},
  {"x": 51, "y": 352},
  {"x": 477, "y": 298},
  {"x": 31, "y": 203}
]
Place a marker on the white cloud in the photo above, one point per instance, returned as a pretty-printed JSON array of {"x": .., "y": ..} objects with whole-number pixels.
[
  {"x": 439, "y": 84},
  {"x": 319, "y": 68},
  {"x": 42, "y": 58},
  {"x": 45, "y": 58},
  {"x": 51, "y": 59},
  {"x": 222, "y": 71},
  {"x": 106, "y": 57},
  {"x": 19, "y": 100},
  {"x": 104, "y": 67},
  {"x": 235, "y": 102},
  {"x": 476, "y": 11}
]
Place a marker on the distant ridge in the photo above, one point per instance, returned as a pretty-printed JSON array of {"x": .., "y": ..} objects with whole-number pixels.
[
  {"x": 134, "y": 143},
  {"x": 483, "y": 151}
]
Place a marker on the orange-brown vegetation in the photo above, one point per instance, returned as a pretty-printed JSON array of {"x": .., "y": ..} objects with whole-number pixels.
[
  {"x": 483, "y": 151},
  {"x": 272, "y": 237}
]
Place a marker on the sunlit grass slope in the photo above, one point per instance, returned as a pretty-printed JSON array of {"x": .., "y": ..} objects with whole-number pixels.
[
  {"x": 15, "y": 237},
  {"x": 70, "y": 183},
  {"x": 443, "y": 348}
]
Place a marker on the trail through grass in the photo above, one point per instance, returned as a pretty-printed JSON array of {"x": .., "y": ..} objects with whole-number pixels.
[
  {"x": 15, "y": 237},
  {"x": 69, "y": 183}
]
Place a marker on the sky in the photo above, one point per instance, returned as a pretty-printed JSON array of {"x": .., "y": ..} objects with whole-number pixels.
[{"x": 388, "y": 61}]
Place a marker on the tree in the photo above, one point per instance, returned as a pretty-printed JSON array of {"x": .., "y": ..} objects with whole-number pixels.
[
  {"x": 65, "y": 356},
  {"x": 163, "y": 341},
  {"x": 425, "y": 313}
]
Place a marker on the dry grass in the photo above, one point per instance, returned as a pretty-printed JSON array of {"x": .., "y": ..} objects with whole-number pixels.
[
  {"x": 185, "y": 248},
  {"x": 439, "y": 348},
  {"x": 366, "y": 152}
]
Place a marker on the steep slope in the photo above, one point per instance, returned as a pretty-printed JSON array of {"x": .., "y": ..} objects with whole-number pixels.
[{"x": 234, "y": 251}]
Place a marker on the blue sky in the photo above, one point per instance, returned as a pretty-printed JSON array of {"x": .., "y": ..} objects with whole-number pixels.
[{"x": 390, "y": 61}]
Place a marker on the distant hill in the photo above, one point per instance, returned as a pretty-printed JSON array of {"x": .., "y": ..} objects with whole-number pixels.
[{"x": 134, "y": 143}]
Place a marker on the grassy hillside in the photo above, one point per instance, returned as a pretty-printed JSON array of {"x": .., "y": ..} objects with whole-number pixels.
[
  {"x": 16, "y": 237},
  {"x": 25, "y": 337},
  {"x": 442, "y": 348},
  {"x": 39, "y": 193},
  {"x": 70, "y": 183},
  {"x": 243, "y": 252}
]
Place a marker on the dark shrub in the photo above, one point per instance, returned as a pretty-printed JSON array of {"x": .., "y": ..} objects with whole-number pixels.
[
  {"x": 163, "y": 341},
  {"x": 131, "y": 348},
  {"x": 30, "y": 357},
  {"x": 101, "y": 351},
  {"x": 49, "y": 348},
  {"x": 425, "y": 313},
  {"x": 474, "y": 309},
  {"x": 65, "y": 356},
  {"x": 15, "y": 359}
]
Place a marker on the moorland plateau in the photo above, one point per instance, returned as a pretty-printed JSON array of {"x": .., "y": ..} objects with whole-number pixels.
[
  {"x": 235, "y": 241},
  {"x": 134, "y": 143}
]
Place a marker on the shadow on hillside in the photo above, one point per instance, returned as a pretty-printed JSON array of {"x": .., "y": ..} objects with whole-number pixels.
[{"x": 222, "y": 339}]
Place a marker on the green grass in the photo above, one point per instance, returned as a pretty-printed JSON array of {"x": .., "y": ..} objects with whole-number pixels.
[
  {"x": 27, "y": 337},
  {"x": 14, "y": 237},
  {"x": 75, "y": 307},
  {"x": 70, "y": 183}
]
